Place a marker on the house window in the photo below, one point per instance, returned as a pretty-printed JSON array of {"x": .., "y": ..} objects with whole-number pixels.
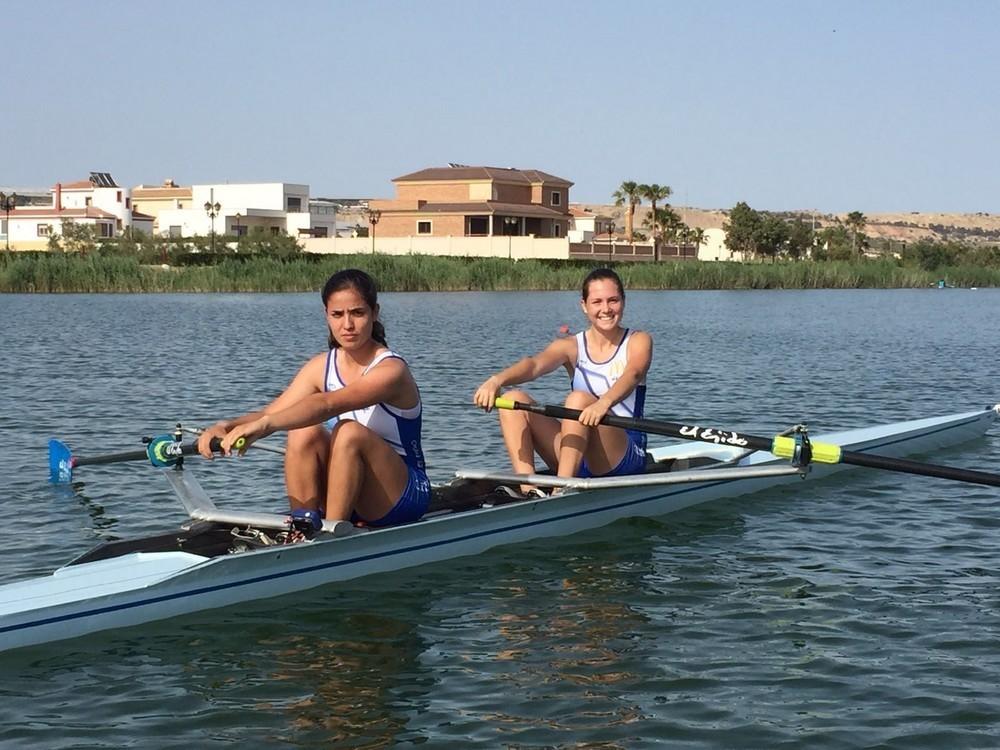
[
  {"x": 175, "y": 230},
  {"x": 88, "y": 201},
  {"x": 479, "y": 226},
  {"x": 294, "y": 204},
  {"x": 128, "y": 203},
  {"x": 556, "y": 229},
  {"x": 320, "y": 232},
  {"x": 556, "y": 198},
  {"x": 423, "y": 227},
  {"x": 106, "y": 230},
  {"x": 119, "y": 196},
  {"x": 275, "y": 230},
  {"x": 44, "y": 230}
]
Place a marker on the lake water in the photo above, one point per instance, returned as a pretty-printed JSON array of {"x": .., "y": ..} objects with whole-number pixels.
[{"x": 862, "y": 611}]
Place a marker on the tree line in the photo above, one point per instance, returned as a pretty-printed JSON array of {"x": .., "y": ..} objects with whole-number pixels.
[
  {"x": 762, "y": 235},
  {"x": 83, "y": 239},
  {"x": 663, "y": 222},
  {"x": 768, "y": 235}
]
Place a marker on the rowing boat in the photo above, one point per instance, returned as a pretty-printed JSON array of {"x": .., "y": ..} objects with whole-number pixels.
[{"x": 222, "y": 557}]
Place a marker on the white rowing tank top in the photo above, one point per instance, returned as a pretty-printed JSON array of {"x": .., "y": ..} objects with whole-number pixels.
[
  {"x": 597, "y": 378},
  {"x": 400, "y": 428}
]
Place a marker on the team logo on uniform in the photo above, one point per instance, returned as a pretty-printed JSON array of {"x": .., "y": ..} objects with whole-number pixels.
[{"x": 616, "y": 370}]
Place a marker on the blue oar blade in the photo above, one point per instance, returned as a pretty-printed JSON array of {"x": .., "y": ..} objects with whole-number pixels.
[{"x": 60, "y": 462}]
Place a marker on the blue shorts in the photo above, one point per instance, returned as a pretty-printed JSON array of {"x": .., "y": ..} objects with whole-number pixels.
[
  {"x": 633, "y": 462},
  {"x": 412, "y": 504}
]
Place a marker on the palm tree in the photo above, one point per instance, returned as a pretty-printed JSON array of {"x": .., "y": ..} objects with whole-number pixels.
[
  {"x": 628, "y": 193},
  {"x": 654, "y": 193},
  {"x": 856, "y": 221}
]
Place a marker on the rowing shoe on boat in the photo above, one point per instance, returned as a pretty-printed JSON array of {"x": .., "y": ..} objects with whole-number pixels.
[{"x": 222, "y": 557}]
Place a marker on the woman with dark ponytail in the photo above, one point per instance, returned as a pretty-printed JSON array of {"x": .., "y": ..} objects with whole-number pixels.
[{"x": 353, "y": 417}]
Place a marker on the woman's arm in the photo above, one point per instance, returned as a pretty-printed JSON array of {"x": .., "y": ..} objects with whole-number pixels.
[
  {"x": 308, "y": 380},
  {"x": 559, "y": 352},
  {"x": 389, "y": 382},
  {"x": 640, "y": 355}
]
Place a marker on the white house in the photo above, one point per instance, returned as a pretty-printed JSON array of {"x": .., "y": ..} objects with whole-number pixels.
[
  {"x": 713, "y": 246},
  {"x": 234, "y": 209},
  {"x": 97, "y": 201},
  {"x": 585, "y": 224}
]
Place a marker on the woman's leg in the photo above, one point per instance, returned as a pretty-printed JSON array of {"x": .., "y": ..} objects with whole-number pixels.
[
  {"x": 603, "y": 447},
  {"x": 306, "y": 455},
  {"x": 365, "y": 474},
  {"x": 525, "y": 433}
]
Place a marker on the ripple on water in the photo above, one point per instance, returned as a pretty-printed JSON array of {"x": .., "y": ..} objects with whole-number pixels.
[{"x": 860, "y": 612}]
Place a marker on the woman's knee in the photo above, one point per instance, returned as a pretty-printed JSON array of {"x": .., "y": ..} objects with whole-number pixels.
[
  {"x": 307, "y": 440},
  {"x": 349, "y": 436},
  {"x": 580, "y": 400},
  {"x": 513, "y": 415}
]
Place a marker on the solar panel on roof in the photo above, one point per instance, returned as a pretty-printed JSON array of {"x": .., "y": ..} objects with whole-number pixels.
[{"x": 102, "y": 179}]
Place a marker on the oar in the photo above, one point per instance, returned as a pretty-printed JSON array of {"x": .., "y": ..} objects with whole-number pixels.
[
  {"x": 783, "y": 446},
  {"x": 162, "y": 450}
]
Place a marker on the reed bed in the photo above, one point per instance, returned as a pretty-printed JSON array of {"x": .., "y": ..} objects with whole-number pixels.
[{"x": 62, "y": 273}]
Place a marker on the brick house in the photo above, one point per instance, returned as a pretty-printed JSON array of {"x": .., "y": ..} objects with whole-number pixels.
[{"x": 464, "y": 201}]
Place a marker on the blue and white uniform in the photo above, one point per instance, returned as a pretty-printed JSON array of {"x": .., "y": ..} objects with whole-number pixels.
[
  {"x": 400, "y": 428},
  {"x": 597, "y": 378}
]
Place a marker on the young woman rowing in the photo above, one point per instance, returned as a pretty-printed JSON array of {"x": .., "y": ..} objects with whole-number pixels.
[
  {"x": 353, "y": 417},
  {"x": 607, "y": 366}
]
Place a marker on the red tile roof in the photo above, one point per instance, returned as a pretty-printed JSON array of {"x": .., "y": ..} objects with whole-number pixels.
[
  {"x": 78, "y": 185},
  {"x": 499, "y": 174},
  {"x": 30, "y": 212}
]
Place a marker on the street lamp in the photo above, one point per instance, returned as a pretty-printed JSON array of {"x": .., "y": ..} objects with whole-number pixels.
[
  {"x": 611, "y": 231},
  {"x": 373, "y": 216},
  {"x": 212, "y": 208},
  {"x": 8, "y": 203},
  {"x": 508, "y": 229}
]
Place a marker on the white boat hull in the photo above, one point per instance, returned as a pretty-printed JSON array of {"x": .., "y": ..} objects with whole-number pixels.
[{"x": 143, "y": 587}]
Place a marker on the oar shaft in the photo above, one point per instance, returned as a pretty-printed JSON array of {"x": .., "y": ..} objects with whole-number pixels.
[
  {"x": 917, "y": 467},
  {"x": 780, "y": 445},
  {"x": 188, "y": 449},
  {"x": 652, "y": 426}
]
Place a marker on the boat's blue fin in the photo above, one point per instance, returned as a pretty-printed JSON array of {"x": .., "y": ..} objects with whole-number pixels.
[{"x": 60, "y": 462}]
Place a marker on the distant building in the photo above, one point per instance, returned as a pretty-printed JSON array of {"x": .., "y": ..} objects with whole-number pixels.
[
  {"x": 98, "y": 201},
  {"x": 464, "y": 201},
  {"x": 713, "y": 246},
  {"x": 151, "y": 200},
  {"x": 276, "y": 207},
  {"x": 586, "y": 224},
  {"x": 323, "y": 217}
]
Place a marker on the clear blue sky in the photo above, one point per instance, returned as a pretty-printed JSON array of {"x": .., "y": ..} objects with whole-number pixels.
[{"x": 837, "y": 106}]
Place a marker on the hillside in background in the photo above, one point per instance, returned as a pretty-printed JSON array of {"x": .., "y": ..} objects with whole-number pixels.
[
  {"x": 898, "y": 227},
  {"x": 905, "y": 227}
]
